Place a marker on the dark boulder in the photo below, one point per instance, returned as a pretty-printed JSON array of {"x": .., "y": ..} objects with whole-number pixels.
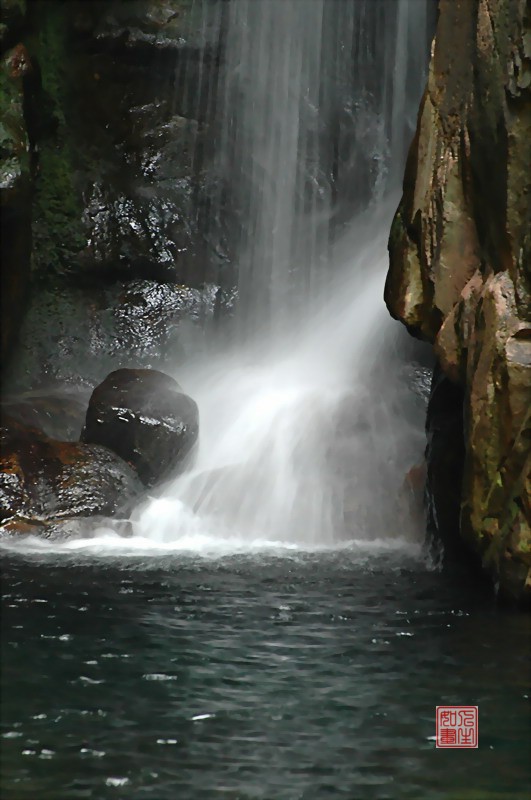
[
  {"x": 42, "y": 479},
  {"x": 145, "y": 418}
]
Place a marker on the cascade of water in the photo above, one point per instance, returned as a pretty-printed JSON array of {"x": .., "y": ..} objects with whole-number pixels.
[
  {"x": 268, "y": 99},
  {"x": 309, "y": 128},
  {"x": 310, "y": 442}
]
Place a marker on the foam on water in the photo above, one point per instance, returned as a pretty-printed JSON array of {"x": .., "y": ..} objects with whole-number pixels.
[{"x": 106, "y": 543}]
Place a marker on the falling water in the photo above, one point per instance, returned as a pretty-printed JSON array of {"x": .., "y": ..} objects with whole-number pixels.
[
  {"x": 308, "y": 426},
  {"x": 269, "y": 145},
  {"x": 311, "y": 128}
]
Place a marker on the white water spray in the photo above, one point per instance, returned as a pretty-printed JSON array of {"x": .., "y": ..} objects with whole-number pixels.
[{"x": 307, "y": 443}]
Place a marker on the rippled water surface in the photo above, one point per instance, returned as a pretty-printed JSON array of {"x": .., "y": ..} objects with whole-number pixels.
[{"x": 275, "y": 676}]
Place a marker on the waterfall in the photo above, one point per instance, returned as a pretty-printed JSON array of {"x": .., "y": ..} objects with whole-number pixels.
[
  {"x": 308, "y": 421},
  {"x": 269, "y": 146},
  {"x": 310, "y": 128}
]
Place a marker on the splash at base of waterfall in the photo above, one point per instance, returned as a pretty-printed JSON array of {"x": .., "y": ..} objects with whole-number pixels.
[
  {"x": 105, "y": 543},
  {"x": 305, "y": 441}
]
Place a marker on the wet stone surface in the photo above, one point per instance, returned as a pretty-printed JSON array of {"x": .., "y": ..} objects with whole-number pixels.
[
  {"x": 43, "y": 480},
  {"x": 55, "y": 412},
  {"x": 77, "y": 335},
  {"x": 144, "y": 417}
]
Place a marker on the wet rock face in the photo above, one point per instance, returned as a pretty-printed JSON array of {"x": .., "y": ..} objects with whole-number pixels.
[
  {"x": 12, "y": 15},
  {"x": 59, "y": 415},
  {"x": 120, "y": 164},
  {"x": 76, "y": 336},
  {"x": 107, "y": 189},
  {"x": 143, "y": 416},
  {"x": 139, "y": 221},
  {"x": 459, "y": 277},
  {"x": 143, "y": 24},
  {"x": 43, "y": 480},
  {"x": 16, "y": 181}
]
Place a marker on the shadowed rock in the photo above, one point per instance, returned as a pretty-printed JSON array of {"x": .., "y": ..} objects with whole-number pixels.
[
  {"x": 459, "y": 276},
  {"x": 15, "y": 188},
  {"x": 144, "y": 417}
]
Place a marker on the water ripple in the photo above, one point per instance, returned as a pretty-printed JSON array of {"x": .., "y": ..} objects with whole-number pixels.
[{"x": 256, "y": 677}]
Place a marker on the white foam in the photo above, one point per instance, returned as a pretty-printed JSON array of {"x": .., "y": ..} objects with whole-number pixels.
[{"x": 203, "y": 546}]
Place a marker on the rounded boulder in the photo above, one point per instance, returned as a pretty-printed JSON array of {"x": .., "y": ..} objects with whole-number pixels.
[{"x": 144, "y": 417}]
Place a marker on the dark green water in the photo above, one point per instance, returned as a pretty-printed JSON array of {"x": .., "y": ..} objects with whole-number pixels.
[{"x": 301, "y": 676}]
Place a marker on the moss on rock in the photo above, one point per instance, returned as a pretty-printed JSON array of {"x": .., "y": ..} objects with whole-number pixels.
[{"x": 57, "y": 225}]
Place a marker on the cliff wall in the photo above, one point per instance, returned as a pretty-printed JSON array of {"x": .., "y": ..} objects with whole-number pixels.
[
  {"x": 101, "y": 153},
  {"x": 460, "y": 263}
]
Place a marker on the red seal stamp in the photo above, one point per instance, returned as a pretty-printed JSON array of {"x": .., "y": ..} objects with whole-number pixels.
[{"x": 456, "y": 726}]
